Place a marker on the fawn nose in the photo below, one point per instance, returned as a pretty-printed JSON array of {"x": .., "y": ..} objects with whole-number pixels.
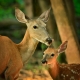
[
  {"x": 44, "y": 61},
  {"x": 49, "y": 40}
]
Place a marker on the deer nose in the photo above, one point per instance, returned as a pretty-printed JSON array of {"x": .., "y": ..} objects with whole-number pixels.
[
  {"x": 49, "y": 40},
  {"x": 44, "y": 61}
]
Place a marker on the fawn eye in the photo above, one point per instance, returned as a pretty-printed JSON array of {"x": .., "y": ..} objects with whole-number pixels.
[
  {"x": 35, "y": 27},
  {"x": 52, "y": 54}
]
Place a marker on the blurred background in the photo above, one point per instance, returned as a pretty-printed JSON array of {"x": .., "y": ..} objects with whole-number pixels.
[{"x": 15, "y": 30}]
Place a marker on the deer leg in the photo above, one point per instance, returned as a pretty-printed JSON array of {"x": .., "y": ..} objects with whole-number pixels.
[
  {"x": 8, "y": 76},
  {"x": 12, "y": 73}
]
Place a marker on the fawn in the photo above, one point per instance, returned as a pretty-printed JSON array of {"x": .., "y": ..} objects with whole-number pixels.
[
  {"x": 12, "y": 55},
  {"x": 60, "y": 71}
]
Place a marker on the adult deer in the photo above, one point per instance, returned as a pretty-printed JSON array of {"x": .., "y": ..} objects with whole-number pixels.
[
  {"x": 60, "y": 71},
  {"x": 13, "y": 56}
]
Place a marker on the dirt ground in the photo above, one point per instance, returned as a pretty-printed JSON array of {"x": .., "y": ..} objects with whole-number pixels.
[{"x": 38, "y": 75}]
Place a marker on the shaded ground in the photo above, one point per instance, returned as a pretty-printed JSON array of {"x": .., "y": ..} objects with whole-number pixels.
[{"x": 38, "y": 75}]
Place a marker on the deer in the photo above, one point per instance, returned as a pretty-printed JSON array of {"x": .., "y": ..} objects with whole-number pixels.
[
  {"x": 14, "y": 56},
  {"x": 60, "y": 71}
]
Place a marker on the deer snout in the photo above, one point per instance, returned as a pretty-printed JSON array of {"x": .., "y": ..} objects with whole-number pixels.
[
  {"x": 49, "y": 40},
  {"x": 44, "y": 61}
]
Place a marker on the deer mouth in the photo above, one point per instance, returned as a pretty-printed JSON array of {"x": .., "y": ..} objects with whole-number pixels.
[
  {"x": 49, "y": 41},
  {"x": 44, "y": 62}
]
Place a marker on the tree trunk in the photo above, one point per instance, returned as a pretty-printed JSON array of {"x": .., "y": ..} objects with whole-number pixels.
[
  {"x": 65, "y": 28},
  {"x": 29, "y": 8},
  {"x": 70, "y": 10}
]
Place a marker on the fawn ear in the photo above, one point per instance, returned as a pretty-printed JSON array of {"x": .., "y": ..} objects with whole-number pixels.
[
  {"x": 45, "y": 15},
  {"x": 62, "y": 47},
  {"x": 21, "y": 17}
]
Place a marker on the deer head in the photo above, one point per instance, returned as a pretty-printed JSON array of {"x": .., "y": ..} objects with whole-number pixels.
[
  {"x": 51, "y": 54},
  {"x": 36, "y": 27}
]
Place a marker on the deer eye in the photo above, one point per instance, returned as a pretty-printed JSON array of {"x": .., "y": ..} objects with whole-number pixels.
[
  {"x": 35, "y": 27},
  {"x": 52, "y": 54}
]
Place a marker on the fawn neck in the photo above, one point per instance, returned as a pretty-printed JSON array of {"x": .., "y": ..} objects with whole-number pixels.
[
  {"x": 27, "y": 47},
  {"x": 54, "y": 68}
]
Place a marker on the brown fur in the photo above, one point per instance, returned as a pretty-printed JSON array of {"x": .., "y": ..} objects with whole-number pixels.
[{"x": 61, "y": 71}]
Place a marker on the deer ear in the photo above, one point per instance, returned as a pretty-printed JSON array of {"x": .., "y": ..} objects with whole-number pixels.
[
  {"x": 62, "y": 47},
  {"x": 45, "y": 15},
  {"x": 21, "y": 16}
]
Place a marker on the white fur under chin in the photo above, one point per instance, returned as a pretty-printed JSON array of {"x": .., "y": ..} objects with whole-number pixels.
[{"x": 43, "y": 42}]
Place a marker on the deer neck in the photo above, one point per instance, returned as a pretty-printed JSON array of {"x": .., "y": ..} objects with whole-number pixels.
[
  {"x": 54, "y": 69},
  {"x": 27, "y": 47}
]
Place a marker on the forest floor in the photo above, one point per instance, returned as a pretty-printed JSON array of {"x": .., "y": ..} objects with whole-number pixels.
[{"x": 37, "y": 75}]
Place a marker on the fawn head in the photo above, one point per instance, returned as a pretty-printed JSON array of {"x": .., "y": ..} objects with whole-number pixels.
[
  {"x": 36, "y": 27},
  {"x": 51, "y": 54}
]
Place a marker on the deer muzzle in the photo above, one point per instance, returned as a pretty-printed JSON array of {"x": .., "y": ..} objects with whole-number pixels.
[
  {"x": 49, "y": 40},
  {"x": 44, "y": 59}
]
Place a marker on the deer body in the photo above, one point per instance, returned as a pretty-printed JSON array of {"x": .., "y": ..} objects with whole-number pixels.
[
  {"x": 60, "y": 71},
  {"x": 65, "y": 71},
  {"x": 9, "y": 57},
  {"x": 13, "y": 56}
]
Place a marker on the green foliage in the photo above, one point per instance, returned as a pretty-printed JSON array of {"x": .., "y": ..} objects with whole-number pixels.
[
  {"x": 77, "y": 7},
  {"x": 17, "y": 34},
  {"x": 29, "y": 66},
  {"x": 62, "y": 58},
  {"x": 7, "y": 8},
  {"x": 6, "y": 13},
  {"x": 6, "y": 3},
  {"x": 43, "y": 47},
  {"x": 20, "y": 2},
  {"x": 9, "y": 3}
]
